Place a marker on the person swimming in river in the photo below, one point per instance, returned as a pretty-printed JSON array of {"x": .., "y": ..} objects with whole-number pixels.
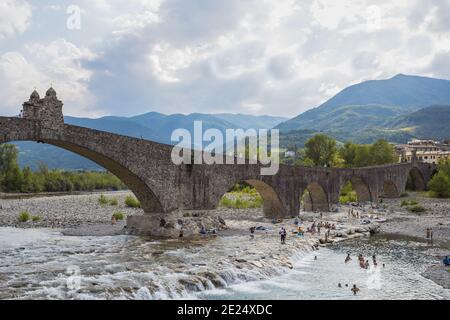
[
  {"x": 355, "y": 289},
  {"x": 348, "y": 258}
]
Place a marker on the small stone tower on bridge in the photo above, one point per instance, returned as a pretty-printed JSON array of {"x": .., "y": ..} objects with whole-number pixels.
[{"x": 48, "y": 110}]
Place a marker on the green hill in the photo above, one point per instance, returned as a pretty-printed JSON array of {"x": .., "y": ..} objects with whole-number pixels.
[
  {"x": 429, "y": 123},
  {"x": 371, "y": 103}
]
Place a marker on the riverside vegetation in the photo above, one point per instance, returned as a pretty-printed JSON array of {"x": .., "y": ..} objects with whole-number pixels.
[
  {"x": 320, "y": 150},
  {"x": 242, "y": 196},
  {"x": 15, "y": 179}
]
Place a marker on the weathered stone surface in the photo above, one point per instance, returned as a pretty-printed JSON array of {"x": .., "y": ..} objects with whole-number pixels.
[{"x": 162, "y": 187}]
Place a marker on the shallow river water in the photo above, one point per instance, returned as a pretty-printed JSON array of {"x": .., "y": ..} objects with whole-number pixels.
[
  {"x": 43, "y": 264},
  {"x": 318, "y": 279}
]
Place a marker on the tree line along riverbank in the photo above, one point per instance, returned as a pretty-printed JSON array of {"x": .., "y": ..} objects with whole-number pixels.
[{"x": 13, "y": 179}]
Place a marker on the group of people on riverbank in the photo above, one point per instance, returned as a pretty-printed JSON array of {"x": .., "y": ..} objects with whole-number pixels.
[
  {"x": 316, "y": 227},
  {"x": 353, "y": 213}
]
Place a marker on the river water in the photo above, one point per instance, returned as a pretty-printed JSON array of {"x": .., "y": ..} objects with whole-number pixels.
[{"x": 44, "y": 264}]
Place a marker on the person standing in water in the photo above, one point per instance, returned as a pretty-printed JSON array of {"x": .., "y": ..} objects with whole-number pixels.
[
  {"x": 348, "y": 258},
  {"x": 355, "y": 289},
  {"x": 252, "y": 233},
  {"x": 283, "y": 235}
]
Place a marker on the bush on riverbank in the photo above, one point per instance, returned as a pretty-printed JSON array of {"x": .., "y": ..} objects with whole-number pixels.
[
  {"x": 242, "y": 196},
  {"x": 14, "y": 179},
  {"x": 132, "y": 202},
  {"x": 416, "y": 208},
  {"x": 439, "y": 184},
  {"x": 409, "y": 203},
  {"x": 119, "y": 215},
  {"x": 113, "y": 202},
  {"x": 102, "y": 200},
  {"x": 241, "y": 203},
  {"x": 348, "y": 194},
  {"x": 24, "y": 216}
]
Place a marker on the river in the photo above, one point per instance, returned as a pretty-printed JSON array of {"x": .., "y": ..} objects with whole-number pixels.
[{"x": 44, "y": 264}]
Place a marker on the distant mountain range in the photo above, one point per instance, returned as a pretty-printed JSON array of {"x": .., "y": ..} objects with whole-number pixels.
[
  {"x": 396, "y": 109},
  {"x": 150, "y": 126},
  {"x": 392, "y": 109}
]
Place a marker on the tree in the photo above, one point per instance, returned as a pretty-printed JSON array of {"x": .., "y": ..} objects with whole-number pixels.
[
  {"x": 359, "y": 155},
  {"x": 363, "y": 157},
  {"x": 10, "y": 173},
  {"x": 321, "y": 150},
  {"x": 8, "y": 158},
  {"x": 381, "y": 152},
  {"x": 348, "y": 154},
  {"x": 444, "y": 165},
  {"x": 440, "y": 185}
]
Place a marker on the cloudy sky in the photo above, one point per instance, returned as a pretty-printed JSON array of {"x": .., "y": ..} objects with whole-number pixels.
[{"x": 277, "y": 57}]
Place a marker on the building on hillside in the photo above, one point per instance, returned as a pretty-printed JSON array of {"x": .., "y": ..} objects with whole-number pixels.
[
  {"x": 428, "y": 151},
  {"x": 289, "y": 154}
]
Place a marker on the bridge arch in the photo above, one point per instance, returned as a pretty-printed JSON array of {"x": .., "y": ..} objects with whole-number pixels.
[
  {"x": 272, "y": 205},
  {"x": 361, "y": 188},
  {"x": 390, "y": 190},
  {"x": 415, "y": 180},
  {"x": 314, "y": 198},
  {"x": 149, "y": 201}
]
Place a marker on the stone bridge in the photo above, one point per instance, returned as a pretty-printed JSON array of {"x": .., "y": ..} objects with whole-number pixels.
[{"x": 161, "y": 186}]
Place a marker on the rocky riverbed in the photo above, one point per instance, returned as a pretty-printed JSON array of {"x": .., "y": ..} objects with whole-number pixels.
[
  {"x": 437, "y": 216},
  {"x": 227, "y": 254}
]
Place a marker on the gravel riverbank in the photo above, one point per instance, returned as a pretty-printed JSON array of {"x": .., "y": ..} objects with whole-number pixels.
[{"x": 437, "y": 216}]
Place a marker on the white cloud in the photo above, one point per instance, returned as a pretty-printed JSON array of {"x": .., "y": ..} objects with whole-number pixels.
[
  {"x": 258, "y": 56},
  {"x": 57, "y": 63},
  {"x": 14, "y": 17}
]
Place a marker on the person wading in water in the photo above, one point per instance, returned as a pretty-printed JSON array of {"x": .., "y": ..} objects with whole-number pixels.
[
  {"x": 283, "y": 235},
  {"x": 348, "y": 258},
  {"x": 355, "y": 289}
]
